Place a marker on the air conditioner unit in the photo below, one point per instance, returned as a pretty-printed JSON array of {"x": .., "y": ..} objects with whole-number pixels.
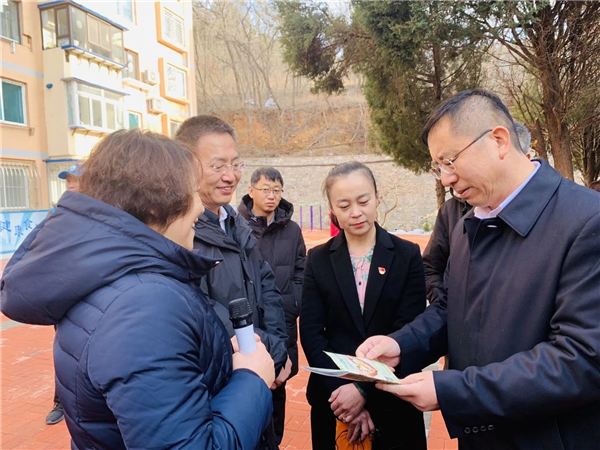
[
  {"x": 156, "y": 105},
  {"x": 150, "y": 77}
]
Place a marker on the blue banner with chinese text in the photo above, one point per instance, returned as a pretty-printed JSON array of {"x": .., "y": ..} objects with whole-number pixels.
[{"x": 16, "y": 225}]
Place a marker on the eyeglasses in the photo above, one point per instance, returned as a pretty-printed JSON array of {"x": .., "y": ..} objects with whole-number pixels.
[
  {"x": 235, "y": 167},
  {"x": 267, "y": 191},
  {"x": 447, "y": 165}
]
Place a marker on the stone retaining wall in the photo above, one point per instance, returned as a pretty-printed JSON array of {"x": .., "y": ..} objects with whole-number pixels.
[{"x": 303, "y": 177}]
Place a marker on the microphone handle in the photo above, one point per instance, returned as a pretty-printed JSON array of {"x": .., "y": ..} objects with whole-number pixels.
[{"x": 245, "y": 338}]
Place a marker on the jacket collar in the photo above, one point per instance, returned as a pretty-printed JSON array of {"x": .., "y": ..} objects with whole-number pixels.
[
  {"x": 212, "y": 234},
  {"x": 342, "y": 268},
  {"x": 283, "y": 213},
  {"x": 209, "y": 231},
  {"x": 524, "y": 210},
  {"x": 382, "y": 238},
  {"x": 105, "y": 242}
]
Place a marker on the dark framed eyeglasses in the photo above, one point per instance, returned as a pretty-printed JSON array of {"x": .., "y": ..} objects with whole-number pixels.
[
  {"x": 447, "y": 165},
  {"x": 267, "y": 191}
]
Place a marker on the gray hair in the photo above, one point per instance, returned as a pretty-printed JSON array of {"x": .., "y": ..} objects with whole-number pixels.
[{"x": 524, "y": 137}]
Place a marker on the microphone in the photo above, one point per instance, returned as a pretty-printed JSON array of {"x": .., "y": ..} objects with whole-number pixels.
[{"x": 240, "y": 314}]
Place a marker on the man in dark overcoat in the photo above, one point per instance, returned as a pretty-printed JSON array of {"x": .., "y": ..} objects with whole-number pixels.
[{"x": 519, "y": 309}]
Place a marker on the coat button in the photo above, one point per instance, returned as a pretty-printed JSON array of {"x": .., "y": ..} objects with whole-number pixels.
[
  {"x": 491, "y": 427},
  {"x": 467, "y": 430},
  {"x": 475, "y": 430},
  {"x": 483, "y": 428}
]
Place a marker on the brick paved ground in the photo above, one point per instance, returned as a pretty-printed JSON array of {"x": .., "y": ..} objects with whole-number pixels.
[{"x": 27, "y": 388}]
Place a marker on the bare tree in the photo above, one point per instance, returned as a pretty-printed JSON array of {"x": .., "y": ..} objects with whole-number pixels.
[{"x": 558, "y": 44}]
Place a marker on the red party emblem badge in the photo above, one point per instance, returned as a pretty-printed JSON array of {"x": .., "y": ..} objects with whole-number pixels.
[{"x": 382, "y": 271}]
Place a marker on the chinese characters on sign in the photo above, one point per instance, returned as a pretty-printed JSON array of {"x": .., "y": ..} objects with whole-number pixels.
[{"x": 15, "y": 226}]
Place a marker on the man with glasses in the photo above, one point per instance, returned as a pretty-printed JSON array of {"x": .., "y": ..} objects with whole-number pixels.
[
  {"x": 519, "y": 308},
  {"x": 281, "y": 244},
  {"x": 435, "y": 256},
  {"x": 223, "y": 234}
]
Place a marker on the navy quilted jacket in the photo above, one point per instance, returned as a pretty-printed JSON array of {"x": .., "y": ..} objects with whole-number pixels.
[{"x": 142, "y": 361}]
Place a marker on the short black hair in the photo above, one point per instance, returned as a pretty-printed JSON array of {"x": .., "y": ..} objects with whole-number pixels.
[
  {"x": 270, "y": 173},
  {"x": 455, "y": 108},
  {"x": 195, "y": 127},
  {"x": 524, "y": 137}
]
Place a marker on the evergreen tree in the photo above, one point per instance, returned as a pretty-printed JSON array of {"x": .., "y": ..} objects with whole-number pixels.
[{"x": 413, "y": 55}]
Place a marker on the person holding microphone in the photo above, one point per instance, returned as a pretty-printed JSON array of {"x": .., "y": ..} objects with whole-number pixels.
[{"x": 141, "y": 358}]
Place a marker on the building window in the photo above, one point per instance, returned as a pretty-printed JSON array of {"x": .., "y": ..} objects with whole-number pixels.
[
  {"x": 173, "y": 28},
  {"x": 19, "y": 183},
  {"x": 99, "y": 36},
  {"x": 133, "y": 65},
  {"x": 12, "y": 98},
  {"x": 63, "y": 30},
  {"x": 56, "y": 186},
  {"x": 173, "y": 127},
  {"x": 125, "y": 9},
  {"x": 94, "y": 107},
  {"x": 175, "y": 82},
  {"x": 9, "y": 20},
  {"x": 135, "y": 120},
  {"x": 68, "y": 25}
]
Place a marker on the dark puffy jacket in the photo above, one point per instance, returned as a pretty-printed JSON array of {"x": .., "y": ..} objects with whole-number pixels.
[
  {"x": 437, "y": 252},
  {"x": 281, "y": 244},
  {"x": 141, "y": 359},
  {"x": 243, "y": 273}
]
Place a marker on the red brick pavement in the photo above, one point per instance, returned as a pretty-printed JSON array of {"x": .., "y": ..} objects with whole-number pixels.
[{"x": 27, "y": 389}]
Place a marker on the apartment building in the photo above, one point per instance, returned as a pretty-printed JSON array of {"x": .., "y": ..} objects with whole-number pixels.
[{"x": 73, "y": 72}]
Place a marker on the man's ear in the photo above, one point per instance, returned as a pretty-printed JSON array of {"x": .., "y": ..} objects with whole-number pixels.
[
  {"x": 251, "y": 192},
  {"x": 502, "y": 138}
]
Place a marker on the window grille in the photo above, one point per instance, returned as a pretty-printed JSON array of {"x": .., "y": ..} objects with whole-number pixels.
[{"x": 19, "y": 186}]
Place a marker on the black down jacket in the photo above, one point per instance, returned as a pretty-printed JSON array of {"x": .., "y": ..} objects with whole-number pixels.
[
  {"x": 282, "y": 246},
  {"x": 243, "y": 273}
]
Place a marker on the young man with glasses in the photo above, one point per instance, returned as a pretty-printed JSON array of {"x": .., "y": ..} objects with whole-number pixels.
[
  {"x": 223, "y": 234},
  {"x": 518, "y": 311},
  {"x": 281, "y": 243}
]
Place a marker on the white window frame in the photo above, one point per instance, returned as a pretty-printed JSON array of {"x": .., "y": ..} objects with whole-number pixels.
[
  {"x": 171, "y": 122},
  {"x": 17, "y": 172},
  {"x": 174, "y": 19},
  {"x": 120, "y": 9},
  {"x": 104, "y": 101},
  {"x": 56, "y": 186},
  {"x": 170, "y": 93},
  {"x": 23, "y": 99},
  {"x": 18, "y": 9},
  {"x": 137, "y": 75}
]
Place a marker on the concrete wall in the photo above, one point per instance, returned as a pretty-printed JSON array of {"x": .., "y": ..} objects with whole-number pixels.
[{"x": 303, "y": 178}]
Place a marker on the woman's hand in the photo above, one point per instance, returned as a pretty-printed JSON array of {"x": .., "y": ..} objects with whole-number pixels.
[
  {"x": 360, "y": 427},
  {"x": 259, "y": 361},
  {"x": 347, "y": 402}
]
